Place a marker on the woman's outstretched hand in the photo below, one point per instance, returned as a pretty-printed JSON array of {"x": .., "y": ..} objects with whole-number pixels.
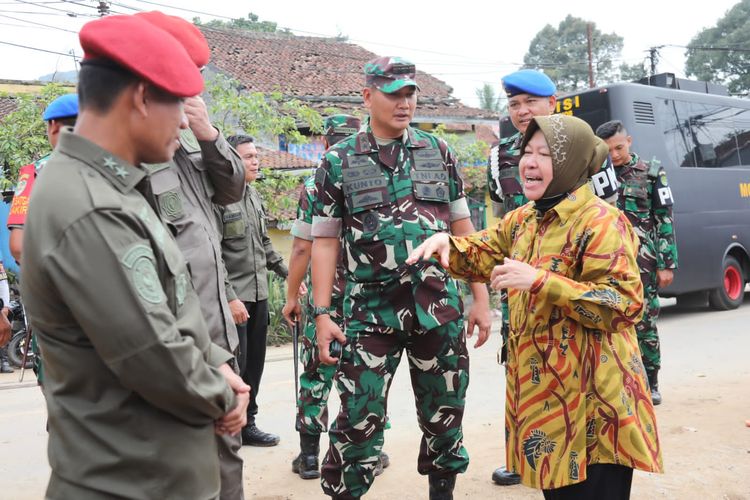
[
  {"x": 436, "y": 244},
  {"x": 512, "y": 274}
]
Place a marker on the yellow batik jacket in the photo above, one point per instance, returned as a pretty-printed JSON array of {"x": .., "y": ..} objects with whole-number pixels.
[{"x": 576, "y": 389}]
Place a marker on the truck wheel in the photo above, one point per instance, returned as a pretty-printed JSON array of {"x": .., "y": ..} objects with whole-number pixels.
[{"x": 732, "y": 292}]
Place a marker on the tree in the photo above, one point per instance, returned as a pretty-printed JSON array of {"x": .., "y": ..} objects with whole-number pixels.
[
  {"x": 264, "y": 115},
  {"x": 487, "y": 98},
  {"x": 258, "y": 113},
  {"x": 23, "y": 133},
  {"x": 251, "y": 23},
  {"x": 562, "y": 53},
  {"x": 710, "y": 54},
  {"x": 632, "y": 72}
]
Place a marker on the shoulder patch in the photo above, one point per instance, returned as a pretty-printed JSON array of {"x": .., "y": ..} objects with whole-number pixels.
[
  {"x": 654, "y": 168},
  {"x": 139, "y": 260},
  {"x": 189, "y": 142}
]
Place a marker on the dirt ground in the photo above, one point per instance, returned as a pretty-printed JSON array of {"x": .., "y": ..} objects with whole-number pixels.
[{"x": 705, "y": 383}]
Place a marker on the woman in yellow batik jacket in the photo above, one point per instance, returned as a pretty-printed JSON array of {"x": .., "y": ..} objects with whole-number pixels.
[{"x": 578, "y": 415}]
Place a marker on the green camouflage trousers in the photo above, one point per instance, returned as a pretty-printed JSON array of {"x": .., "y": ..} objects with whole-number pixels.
[
  {"x": 439, "y": 369},
  {"x": 315, "y": 383},
  {"x": 648, "y": 336}
]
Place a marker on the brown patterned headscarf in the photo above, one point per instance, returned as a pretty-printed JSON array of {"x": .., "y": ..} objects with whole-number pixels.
[{"x": 576, "y": 152}]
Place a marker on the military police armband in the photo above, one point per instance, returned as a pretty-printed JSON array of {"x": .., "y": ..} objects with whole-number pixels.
[
  {"x": 605, "y": 183},
  {"x": 662, "y": 194}
]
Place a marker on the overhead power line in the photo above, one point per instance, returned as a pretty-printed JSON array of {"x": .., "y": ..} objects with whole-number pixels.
[
  {"x": 49, "y": 26},
  {"x": 40, "y": 50},
  {"x": 67, "y": 12}
]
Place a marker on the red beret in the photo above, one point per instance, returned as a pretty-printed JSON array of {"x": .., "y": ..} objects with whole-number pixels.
[
  {"x": 144, "y": 49},
  {"x": 184, "y": 31}
]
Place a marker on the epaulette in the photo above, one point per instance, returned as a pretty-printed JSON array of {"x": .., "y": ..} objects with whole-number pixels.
[
  {"x": 654, "y": 167},
  {"x": 100, "y": 198}
]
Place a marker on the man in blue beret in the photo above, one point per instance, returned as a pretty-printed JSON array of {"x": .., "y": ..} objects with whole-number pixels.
[
  {"x": 61, "y": 112},
  {"x": 530, "y": 93}
]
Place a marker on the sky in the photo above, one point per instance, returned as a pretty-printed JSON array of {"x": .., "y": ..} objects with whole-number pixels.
[{"x": 466, "y": 43}]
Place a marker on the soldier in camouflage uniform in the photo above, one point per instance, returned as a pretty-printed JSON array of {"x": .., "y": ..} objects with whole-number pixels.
[
  {"x": 316, "y": 379},
  {"x": 646, "y": 199},
  {"x": 530, "y": 93},
  {"x": 384, "y": 191}
]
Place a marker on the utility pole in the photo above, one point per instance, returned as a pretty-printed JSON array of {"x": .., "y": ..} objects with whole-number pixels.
[
  {"x": 653, "y": 56},
  {"x": 103, "y": 8},
  {"x": 591, "y": 63}
]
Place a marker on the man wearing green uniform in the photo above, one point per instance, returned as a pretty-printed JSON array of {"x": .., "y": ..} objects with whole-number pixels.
[
  {"x": 135, "y": 389},
  {"x": 384, "y": 191},
  {"x": 204, "y": 170},
  {"x": 248, "y": 256},
  {"x": 316, "y": 378},
  {"x": 646, "y": 199}
]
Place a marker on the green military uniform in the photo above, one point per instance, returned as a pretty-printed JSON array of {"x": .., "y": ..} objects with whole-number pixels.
[
  {"x": 130, "y": 378},
  {"x": 385, "y": 199},
  {"x": 248, "y": 255},
  {"x": 506, "y": 192},
  {"x": 316, "y": 378},
  {"x": 183, "y": 192},
  {"x": 646, "y": 199}
]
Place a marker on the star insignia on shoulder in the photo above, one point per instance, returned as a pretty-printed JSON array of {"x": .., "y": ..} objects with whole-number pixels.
[
  {"x": 110, "y": 163},
  {"x": 121, "y": 172}
]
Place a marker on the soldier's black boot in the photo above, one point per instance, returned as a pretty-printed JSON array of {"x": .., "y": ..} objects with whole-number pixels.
[
  {"x": 441, "y": 486},
  {"x": 4, "y": 364},
  {"x": 653, "y": 383},
  {"x": 306, "y": 463},
  {"x": 504, "y": 477}
]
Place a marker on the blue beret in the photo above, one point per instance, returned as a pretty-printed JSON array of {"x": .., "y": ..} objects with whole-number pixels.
[
  {"x": 528, "y": 81},
  {"x": 65, "y": 106}
]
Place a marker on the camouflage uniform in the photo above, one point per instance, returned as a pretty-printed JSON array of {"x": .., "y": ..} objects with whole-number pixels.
[
  {"x": 506, "y": 194},
  {"x": 646, "y": 199},
  {"x": 385, "y": 200},
  {"x": 317, "y": 378}
]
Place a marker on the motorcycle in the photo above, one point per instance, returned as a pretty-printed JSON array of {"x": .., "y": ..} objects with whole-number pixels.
[{"x": 18, "y": 341}]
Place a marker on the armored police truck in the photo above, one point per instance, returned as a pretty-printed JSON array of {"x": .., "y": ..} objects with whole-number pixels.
[{"x": 701, "y": 135}]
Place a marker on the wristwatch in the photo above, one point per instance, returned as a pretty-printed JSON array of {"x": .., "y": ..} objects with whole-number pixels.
[{"x": 318, "y": 310}]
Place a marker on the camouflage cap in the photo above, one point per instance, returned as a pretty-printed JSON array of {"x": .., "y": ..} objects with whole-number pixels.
[
  {"x": 390, "y": 74},
  {"x": 340, "y": 126}
]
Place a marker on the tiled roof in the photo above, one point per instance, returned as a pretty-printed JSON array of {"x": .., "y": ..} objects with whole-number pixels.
[
  {"x": 320, "y": 70},
  {"x": 283, "y": 160},
  {"x": 7, "y": 106}
]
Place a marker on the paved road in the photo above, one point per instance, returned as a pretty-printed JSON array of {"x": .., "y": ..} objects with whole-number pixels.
[{"x": 705, "y": 383}]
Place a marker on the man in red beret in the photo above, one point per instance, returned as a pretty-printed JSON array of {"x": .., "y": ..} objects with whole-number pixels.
[
  {"x": 204, "y": 170},
  {"x": 135, "y": 387}
]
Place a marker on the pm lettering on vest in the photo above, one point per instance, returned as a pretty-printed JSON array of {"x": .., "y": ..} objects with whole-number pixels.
[
  {"x": 605, "y": 183},
  {"x": 665, "y": 196}
]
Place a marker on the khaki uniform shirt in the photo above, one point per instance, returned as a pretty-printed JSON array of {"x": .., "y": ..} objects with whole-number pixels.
[
  {"x": 130, "y": 380},
  {"x": 247, "y": 249},
  {"x": 184, "y": 190}
]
